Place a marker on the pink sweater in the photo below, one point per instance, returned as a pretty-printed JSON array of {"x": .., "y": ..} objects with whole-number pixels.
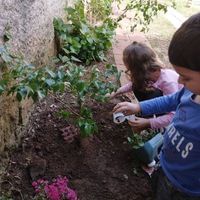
[{"x": 168, "y": 84}]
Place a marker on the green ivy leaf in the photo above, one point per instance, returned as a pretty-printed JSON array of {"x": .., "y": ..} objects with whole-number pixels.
[
  {"x": 80, "y": 85},
  {"x": 49, "y": 82},
  {"x": 64, "y": 114},
  {"x": 64, "y": 59},
  {"x": 1, "y": 89},
  {"x": 75, "y": 59},
  {"x": 40, "y": 94},
  {"x": 66, "y": 50},
  {"x": 19, "y": 96},
  {"x": 86, "y": 112},
  {"x": 84, "y": 28},
  {"x": 50, "y": 72},
  {"x": 6, "y": 57},
  {"x": 88, "y": 129}
]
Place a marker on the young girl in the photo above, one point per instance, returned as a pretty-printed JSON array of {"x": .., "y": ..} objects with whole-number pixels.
[
  {"x": 148, "y": 80},
  {"x": 178, "y": 177}
]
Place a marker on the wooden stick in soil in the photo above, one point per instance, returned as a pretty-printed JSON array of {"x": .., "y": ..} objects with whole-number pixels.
[{"x": 64, "y": 104}]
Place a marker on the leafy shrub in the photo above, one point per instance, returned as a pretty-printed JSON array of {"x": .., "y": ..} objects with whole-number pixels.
[
  {"x": 26, "y": 81},
  {"x": 87, "y": 84},
  {"x": 81, "y": 41}
]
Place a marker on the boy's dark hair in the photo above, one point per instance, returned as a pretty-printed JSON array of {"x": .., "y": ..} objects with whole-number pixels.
[
  {"x": 184, "y": 48},
  {"x": 140, "y": 59}
]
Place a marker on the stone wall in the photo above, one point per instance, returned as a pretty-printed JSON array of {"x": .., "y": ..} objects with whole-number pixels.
[{"x": 30, "y": 25}]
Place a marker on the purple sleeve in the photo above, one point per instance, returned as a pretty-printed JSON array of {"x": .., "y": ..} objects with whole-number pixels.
[
  {"x": 162, "y": 121},
  {"x": 125, "y": 88},
  {"x": 170, "y": 88}
]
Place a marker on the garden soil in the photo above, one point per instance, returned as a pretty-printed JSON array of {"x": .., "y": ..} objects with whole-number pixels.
[{"x": 101, "y": 167}]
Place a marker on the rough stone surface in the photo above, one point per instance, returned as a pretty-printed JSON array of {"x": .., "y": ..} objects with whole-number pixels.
[{"x": 30, "y": 23}]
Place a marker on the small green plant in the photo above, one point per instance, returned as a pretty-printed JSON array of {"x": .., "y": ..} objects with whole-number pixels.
[
  {"x": 87, "y": 84},
  {"x": 137, "y": 140},
  {"x": 86, "y": 123}
]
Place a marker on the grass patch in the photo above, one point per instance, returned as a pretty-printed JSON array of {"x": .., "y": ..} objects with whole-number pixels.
[
  {"x": 159, "y": 35},
  {"x": 184, "y": 10},
  {"x": 161, "y": 27}
]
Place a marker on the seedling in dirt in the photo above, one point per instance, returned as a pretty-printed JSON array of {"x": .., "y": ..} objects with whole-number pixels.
[
  {"x": 86, "y": 85},
  {"x": 147, "y": 146},
  {"x": 137, "y": 140}
]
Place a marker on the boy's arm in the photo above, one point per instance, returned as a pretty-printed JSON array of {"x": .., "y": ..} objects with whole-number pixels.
[
  {"x": 161, "y": 104},
  {"x": 150, "y": 107}
]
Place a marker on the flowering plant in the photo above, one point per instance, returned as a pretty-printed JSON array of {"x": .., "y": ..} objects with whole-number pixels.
[{"x": 56, "y": 190}]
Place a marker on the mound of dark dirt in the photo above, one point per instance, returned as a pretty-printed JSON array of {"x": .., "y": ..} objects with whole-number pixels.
[{"x": 101, "y": 167}]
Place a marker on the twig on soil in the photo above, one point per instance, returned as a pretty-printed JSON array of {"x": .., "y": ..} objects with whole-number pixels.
[
  {"x": 64, "y": 104},
  {"x": 12, "y": 187}
]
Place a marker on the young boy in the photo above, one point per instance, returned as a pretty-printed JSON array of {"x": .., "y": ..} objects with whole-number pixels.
[{"x": 178, "y": 177}]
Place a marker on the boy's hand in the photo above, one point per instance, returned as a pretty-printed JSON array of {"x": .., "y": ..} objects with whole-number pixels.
[
  {"x": 140, "y": 124},
  {"x": 127, "y": 108}
]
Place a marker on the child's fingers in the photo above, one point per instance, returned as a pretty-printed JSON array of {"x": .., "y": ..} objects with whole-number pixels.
[
  {"x": 116, "y": 107},
  {"x": 108, "y": 95},
  {"x": 134, "y": 123},
  {"x": 112, "y": 95},
  {"x": 120, "y": 107}
]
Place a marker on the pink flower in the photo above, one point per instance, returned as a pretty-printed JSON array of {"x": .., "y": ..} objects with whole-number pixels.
[
  {"x": 71, "y": 195},
  {"x": 34, "y": 184},
  {"x": 52, "y": 192},
  {"x": 37, "y": 190},
  {"x": 56, "y": 190},
  {"x": 40, "y": 181}
]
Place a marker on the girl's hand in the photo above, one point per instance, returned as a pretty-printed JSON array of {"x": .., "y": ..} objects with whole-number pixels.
[
  {"x": 127, "y": 108},
  {"x": 140, "y": 124},
  {"x": 112, "y": 95}
]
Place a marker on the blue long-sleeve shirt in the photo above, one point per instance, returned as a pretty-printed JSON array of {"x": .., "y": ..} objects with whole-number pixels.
[{"x": 181, "y": 149}]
